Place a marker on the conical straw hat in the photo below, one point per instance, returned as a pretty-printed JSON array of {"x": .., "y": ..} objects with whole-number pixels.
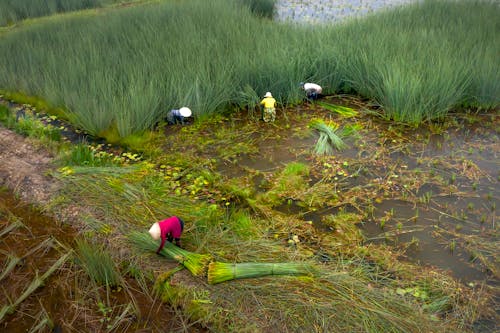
[
  {"x": 155, "y": 231},
  {"x": 185, "y": 112}
]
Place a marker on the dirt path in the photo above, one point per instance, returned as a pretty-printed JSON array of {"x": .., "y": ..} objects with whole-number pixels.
[{"x": 24, "y": 168}]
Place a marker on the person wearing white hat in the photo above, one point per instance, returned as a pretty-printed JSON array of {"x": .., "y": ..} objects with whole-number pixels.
[
  {"x": 178, "y": 116},
  {"x": 269, "y": 103},
  {"x": 170, "y": 228},
  {"x": 313, "y": 90}
]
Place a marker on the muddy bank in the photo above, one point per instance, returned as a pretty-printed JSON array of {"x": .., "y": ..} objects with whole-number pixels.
[{"x": 33, "y": 242}]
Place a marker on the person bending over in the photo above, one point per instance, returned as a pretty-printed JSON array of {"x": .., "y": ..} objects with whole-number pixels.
[
  {"x": 169, "y": 229},
  {"x": 313, "y": 90}
]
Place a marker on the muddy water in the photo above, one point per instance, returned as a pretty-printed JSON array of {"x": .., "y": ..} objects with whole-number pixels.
[
  {"x": 447, "y": 229},
  {"x": 33, "y": 230},
  {"x": 67, "y": 301}
]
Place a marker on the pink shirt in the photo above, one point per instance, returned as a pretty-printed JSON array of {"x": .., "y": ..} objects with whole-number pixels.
[{"x": 171, "y": 226}]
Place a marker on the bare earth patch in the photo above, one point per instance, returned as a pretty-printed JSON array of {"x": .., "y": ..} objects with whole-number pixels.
[{"x": 24, "y": 168}]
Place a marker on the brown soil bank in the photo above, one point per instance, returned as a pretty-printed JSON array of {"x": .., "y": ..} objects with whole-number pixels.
[{"x": 23, "y": 168}]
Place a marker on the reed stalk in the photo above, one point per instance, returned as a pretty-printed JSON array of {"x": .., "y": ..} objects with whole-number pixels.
[
  {"x": 10, "y": 227},
  {"x": 34, "y": 285},
  {"x": 328, "y": 140},
  {"x": 14, "y": 260},
  {"x": 343, "y": 111}
]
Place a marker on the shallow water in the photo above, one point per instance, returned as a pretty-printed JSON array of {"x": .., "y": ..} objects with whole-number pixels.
[
  {"x": 328, "y": 11},
  {"x": 442, "y": 229}
]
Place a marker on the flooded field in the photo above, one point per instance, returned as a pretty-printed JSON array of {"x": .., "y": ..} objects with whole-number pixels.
[
  {"x": 327, "y": 11},
  {"x": 431, "y": 193}
]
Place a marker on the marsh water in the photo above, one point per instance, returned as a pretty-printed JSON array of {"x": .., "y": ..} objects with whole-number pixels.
[{"x": 451, "y": 223}]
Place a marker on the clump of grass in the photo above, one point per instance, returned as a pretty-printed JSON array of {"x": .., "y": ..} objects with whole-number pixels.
[
  {"x": 5, "y": 115},
  {"x": 195, "y": 303},
  {"x": 98, "y": 263},
  {"x": 243, "y": 225},
  {"x": 30, "y": 126},
  {"x": 344, "y": 225},
  {"x": 195, "y": 263},
  {"x": 219, "y": 271},
  {"x": 83, "y": 154},
  {"x": 290, "y": 183},
  {"x": 328, "y": 140}
]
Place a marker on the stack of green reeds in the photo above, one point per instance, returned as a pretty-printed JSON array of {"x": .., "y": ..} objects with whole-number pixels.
[
  {"x": 344, "y": 111},
  {"x": 195, "y": 263},
  {"x": 221, "y": 271},
  {"x": 328, "y": 138}
]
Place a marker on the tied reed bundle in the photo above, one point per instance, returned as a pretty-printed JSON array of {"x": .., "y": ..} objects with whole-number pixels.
[
  {"x": 220, "y": 271},
  {"x": 195, "y": 263},
  {"x": 328, "y": 138}
]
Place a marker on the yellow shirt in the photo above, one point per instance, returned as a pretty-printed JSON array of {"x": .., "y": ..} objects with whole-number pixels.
[{"x": 268, "y": 102}]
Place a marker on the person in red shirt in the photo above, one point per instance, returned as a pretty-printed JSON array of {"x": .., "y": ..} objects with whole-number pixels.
[{"x": 171, "y": 228}]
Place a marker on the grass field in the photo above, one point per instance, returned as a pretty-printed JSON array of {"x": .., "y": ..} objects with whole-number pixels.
[
  {"x": 12, "y": 11},
  {"x": 119, "y": 72}
]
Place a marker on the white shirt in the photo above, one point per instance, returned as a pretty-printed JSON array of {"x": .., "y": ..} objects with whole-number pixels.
[{"x": 313, "y": 86}]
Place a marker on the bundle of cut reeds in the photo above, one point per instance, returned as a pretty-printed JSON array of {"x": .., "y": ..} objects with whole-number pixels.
[
  {"x": 328, "y": 139},
  {"x": 221, "y": 271},
  {"x": 344, "y": 111},
  {"x": 194, "y": 262}
]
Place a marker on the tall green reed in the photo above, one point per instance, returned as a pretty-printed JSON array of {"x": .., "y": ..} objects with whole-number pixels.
[
  {"x": 118, "y": 70},
  {"x": 12, "y": 11}
]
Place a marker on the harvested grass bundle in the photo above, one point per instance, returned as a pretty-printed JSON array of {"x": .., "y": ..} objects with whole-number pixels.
[
  {"x": 195, "y": 263},
  {"x": 328, "y": 138},
  {"x": 344, "y": 111},
  {"x": 221, "y": 271}
]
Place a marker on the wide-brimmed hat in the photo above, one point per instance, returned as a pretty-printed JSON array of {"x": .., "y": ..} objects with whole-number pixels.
[
  {"x": 268, "y": 94},
  {"x": 155, "y": 231},
  {"x": 185, "y": 112}
]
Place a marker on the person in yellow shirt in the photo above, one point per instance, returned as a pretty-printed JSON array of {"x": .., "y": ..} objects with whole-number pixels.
[{"x": 269, "y": 103}]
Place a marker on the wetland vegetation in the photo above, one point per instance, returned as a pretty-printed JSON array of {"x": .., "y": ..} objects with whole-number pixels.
[{"x": 359, "y": 193}]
